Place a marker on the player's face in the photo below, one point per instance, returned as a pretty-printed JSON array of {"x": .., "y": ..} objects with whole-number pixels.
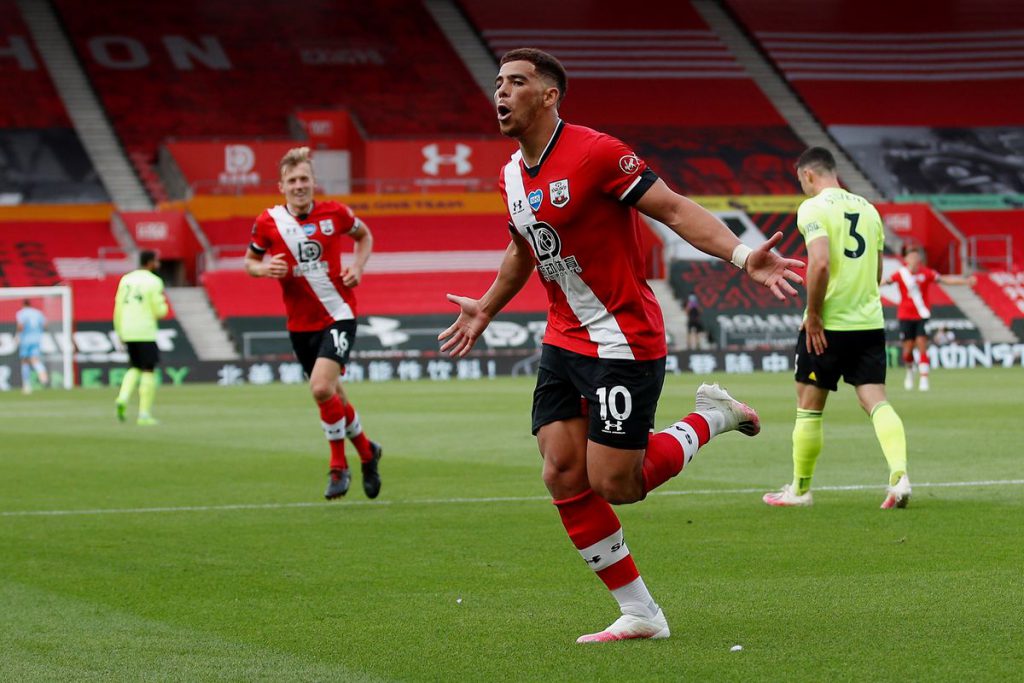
[
  {"x": 519, "y": 96},
  {"x": 297, "y": 185},
  {"x": 913, "y": 260}
]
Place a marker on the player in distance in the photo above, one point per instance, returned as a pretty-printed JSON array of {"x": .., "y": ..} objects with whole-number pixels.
[
  {"x": 914, "y": 280},
  {"x": 305, "y": 240},
  {"x": 30, "y": 324},
  {"x": 573, "y": 196},
  {"x": 843, "y": 334},
  {"x": 138, "y": 304}
]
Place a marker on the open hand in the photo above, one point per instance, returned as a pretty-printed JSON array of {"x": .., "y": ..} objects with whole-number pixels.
[
  {"x": 771, "y": 270},
  {"x": 467, "y": 328}
]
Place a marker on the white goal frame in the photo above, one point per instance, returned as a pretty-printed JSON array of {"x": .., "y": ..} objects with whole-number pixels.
[{"x": 66, "y": 344}]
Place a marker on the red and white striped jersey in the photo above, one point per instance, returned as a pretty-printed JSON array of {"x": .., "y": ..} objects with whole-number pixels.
[
  {"x": 575, "y": 208},
  {"x": 313, "y": 294},
  {"x": 914, "y": 292}
]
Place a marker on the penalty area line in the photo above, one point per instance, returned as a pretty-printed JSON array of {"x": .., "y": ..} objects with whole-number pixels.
[{"x": 458, "y": 501}]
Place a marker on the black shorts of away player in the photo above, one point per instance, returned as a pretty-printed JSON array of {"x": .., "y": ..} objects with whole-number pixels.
[
  {"x": 912, "y": 329},
  {"x": 334, "y": 342},
  {"x": 858, "y": 356},
  {"x": 619, "y": 397},
  {"x": 143, "y": 355}
]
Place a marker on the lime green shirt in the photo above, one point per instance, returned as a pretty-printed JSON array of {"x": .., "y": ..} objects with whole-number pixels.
[
  {"x": 855, "y": 239},
  {"x": 138, "y": 304}
]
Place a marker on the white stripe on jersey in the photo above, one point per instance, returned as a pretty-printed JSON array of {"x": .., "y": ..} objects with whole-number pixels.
[
  {"x": 601, "y": 326},
  {"x": 605, "y": 552},
  {"x": 319, "y": 281},
  {"x": 914, "y": 292}
]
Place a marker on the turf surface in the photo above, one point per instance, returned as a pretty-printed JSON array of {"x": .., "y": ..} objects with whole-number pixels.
[{"x": 201, "y": 549}]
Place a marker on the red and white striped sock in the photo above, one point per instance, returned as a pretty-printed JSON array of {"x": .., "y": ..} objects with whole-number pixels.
[
  {"x": 354, "y": 432},
  {"x": 672, "y": 449},
  {"x": 595, "y": 530},
  {"x": 923, "y": 367},
  {"x": 332, "y": 419}
]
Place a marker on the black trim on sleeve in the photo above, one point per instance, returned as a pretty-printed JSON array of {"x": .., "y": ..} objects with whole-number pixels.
[
  {"x": 257, "y": 249},
  {"x": 512, "y": 228},
  {"x": 647, "y": 178}
]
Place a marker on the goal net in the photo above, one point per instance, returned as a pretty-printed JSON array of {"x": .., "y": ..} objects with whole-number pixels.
[{"x": 56, "y": 350}]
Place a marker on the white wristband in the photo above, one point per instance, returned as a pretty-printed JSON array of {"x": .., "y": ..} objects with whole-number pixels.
[{"x": 739, "y": 255}]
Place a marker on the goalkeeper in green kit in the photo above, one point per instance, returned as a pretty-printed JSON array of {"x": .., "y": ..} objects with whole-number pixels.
[{"x": 138, "y": 304}]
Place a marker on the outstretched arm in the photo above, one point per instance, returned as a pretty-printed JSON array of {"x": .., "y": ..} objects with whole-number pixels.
[
  {"x": 704, "y": 230},
  {"x": 476, "y": 314},
  {"x": 957, "y": 280}
]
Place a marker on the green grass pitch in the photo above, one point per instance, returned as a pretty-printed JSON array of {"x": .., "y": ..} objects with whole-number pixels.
[{"x": 202, "y": 549}]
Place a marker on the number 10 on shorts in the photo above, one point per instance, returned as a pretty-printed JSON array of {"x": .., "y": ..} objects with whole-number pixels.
[{"x": 616, "y": 404}]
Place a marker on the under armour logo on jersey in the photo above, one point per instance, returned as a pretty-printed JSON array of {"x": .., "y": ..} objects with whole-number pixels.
[
  {"x": 517, "y": 207},
  {"x": 434, "y": 159}
]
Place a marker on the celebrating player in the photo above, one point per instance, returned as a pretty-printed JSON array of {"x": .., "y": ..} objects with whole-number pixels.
[
  {"x": 305, "y": 240},
  {"x": 30, "y": 323},
  {"x": 843, "y": 334},
  {"x": 572, "y": 196},
  {"x": 914, "y": 280},
  {"x": 138, "y": 304}
]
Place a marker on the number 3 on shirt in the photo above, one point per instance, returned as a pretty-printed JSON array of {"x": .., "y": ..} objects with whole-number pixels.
[{"x": 861, "y": 244}]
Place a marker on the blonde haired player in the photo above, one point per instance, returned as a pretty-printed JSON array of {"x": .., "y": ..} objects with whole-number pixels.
[{"x": 306, "y": 240}]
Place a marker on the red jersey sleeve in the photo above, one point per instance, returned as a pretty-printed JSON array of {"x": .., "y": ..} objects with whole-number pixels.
[
  {"x": 346, "y": 219},
  {"x": 930, "y": 275},
  {"x": 618, "y": 170},
  {"x": 260, "y": 238}
]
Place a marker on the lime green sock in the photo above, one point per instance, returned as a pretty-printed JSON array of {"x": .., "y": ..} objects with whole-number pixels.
[
  {"x": 807, "y": 441},
  {"x": 892, "y": 438},
  {"x": 147, "y": 391},
  {"x": 131, "y": 378}
]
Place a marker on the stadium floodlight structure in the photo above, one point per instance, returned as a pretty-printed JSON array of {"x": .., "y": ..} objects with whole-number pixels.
[{"x": 57, "y": 348}]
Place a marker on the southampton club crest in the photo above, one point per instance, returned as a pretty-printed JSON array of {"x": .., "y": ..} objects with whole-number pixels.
[{"x": 559, "y": 193}]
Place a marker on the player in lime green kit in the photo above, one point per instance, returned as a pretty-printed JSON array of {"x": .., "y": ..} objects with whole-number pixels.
[
  {"x": 843, "y": 334},
  {"x": 138, "y": 304}
]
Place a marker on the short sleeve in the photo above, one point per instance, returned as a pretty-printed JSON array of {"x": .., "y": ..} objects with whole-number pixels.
[
  {"x": 619, "y": 171},
  {"x": 810, "y": 221},
  {"x": 347, "y": 220},
  {"x": 259, "y": 240}
]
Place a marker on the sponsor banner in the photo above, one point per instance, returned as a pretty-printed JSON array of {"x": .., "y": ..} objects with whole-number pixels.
[
  {"x": 231, "y": 166},
  {"x": 967, "y": 202},
  {"x": 751, "y": 203},
  {"x": 329, "y": 128},
  {"x": 918, "y": 160},
  {"x": 96, "y": 342},
  {"x": 477, "y": 203},
  {"x": 437, "y": 164},
  {"x": 166, "y": 232},
  {"x": 437, "y": 368}
]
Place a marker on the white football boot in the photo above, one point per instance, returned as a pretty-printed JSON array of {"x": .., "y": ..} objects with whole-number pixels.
[
  {"x": 712, "y": 398},
  {"x": 787, "y": 498},
  {"x": 628, "y": 627},
  {"x": 897, "y": 496},
  {"x": 923, "y": 383},
  {"x": 908, "y": 381}
]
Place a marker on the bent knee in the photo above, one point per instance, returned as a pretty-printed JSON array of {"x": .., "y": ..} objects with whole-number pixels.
[
  {"x": 618, "y": 491},
  {"x": 323, "y": 391}
]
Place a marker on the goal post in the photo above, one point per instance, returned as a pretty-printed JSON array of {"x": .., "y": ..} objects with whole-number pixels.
[{"x": 57, "y": 349}]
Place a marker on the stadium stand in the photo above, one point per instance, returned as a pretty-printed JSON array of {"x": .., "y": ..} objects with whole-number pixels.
[
  {"x": 996, "y": 237},
  {"x": 1004, "y": 293},
  {"x": 41, "y": 157},
  {"x": 873, "y": 62},
  {"x": 44, "y": 253},
  {"x": 220, "y": 75},
  {"x": 681, "y": 99}
]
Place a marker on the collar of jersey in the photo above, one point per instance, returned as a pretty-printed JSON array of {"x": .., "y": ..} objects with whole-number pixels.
[
  {"x": 301, "y": 217},
  {"x": 535, "y": 170}
]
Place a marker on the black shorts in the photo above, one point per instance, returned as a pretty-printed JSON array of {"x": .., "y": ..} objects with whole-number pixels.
[
  {"x": 912, "y": 329},
  {"x": 619, "y": 396},
  {"x": 143, "y": 355},
  {"x": 334, "y": 342},
  {"x": 858, "y": 356}
]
